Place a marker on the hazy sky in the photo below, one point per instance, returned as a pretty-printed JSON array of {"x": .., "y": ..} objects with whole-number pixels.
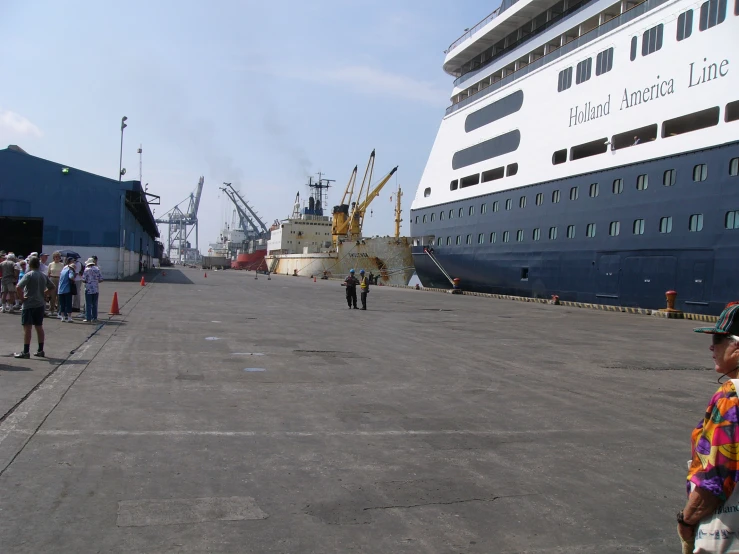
[{"x": 261, "y": 94}]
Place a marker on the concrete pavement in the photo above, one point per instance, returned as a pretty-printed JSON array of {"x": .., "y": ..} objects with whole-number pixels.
[{"x": 233, "y": 414}]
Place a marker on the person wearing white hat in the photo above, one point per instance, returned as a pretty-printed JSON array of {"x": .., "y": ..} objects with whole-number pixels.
[
  {"x": 9, "y": 278},
  {"x": 92, "y": 277}
]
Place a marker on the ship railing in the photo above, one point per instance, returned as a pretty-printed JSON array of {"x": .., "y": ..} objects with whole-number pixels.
[
  {"x": 583, "y": 39},
  {"x": 479, "y": 25}
]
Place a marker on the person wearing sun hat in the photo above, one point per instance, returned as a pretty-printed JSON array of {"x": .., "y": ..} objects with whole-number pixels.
[
  {"x": 92, "y": 277},
  {"x": 709, "y": 521}
]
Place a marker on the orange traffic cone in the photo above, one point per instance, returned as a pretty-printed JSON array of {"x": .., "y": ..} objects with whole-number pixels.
[
  {"x": 314, "y": 278},
  {"x": 143, "y": 283},
  {"x": 206, "y": 275},
  {"x": 114, "y": 305}
]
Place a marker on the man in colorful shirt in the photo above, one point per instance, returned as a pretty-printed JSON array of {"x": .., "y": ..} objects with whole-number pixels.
[{"x": 91, "y": 277}]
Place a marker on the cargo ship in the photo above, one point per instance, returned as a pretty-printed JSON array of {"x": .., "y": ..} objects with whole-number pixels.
[
  {"x": 589, "y": 151},
  {"x": 312, "y": 244}
]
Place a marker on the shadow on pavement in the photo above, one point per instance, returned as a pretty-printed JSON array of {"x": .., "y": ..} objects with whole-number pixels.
[
  {"x": 13, "y": 368},
  {"x": 172, "y": 277}
]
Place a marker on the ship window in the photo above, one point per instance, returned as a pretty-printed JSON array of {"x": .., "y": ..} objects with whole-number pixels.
[
  {"x": 570, "y": 231},
  {"x": 713, "y": 12},
  {"x": 584, "y": 69},
  {"x": 511, "y": 170},
  {"x": 592, "y": 148},
  {"x": 506, "y": 236},
  {"x": 451, "y": 214},
  {"x": 448, "y": 241},
  {"x": 552, "y": 233},
  {"x": 634, "y": 137},
  {"x": 524, "y": 274},
  {"x": 424, "y": 219},
  {"x": 469, "y": 180},
  {"x": 433, "y": 215},
  {"x": 665, "y": 224},
  {"x": 536, "y": 235},
  {"x": 416, "y": 222},
  {"x": 690, "y": 122},
  {"x": 522, "y": 202},
  {"x": 618, "y": 186},
  {"x": 684, "y": 25},
  {"x": 642, "y": 182},
  {"x": 593, "y": 190},
  {"x": 438, "y": 241},
  {"x": 519, "y": 235},
  {"x": 496, "y": 146},
  {"x": 495, "y": 206},
  {"x": 493, "y": 174},
  {"x": 652, "y": 40},
  {"x": 508, "y": 204},
  {"x": 454, "y": 184},
  {"x": 540, "y": 199},
  {"x": 614, "y": 228},
  {"x": 441, "y": 216},
  {"x": 638, "y": 226},
  {"x": 461, "y": 212},
  {"x": 472, "y": 210},
  {"x": 564, "y": 80},
  {"x": 459, "y": 239},
  {"x": 736, "y": 7},
  {"x": 493, "y": 112},
  {"x": 573, "y": 193},
  {"x": 555, "y": 197},
  {"x": 590, "y": 230},
  {"x": 469, "y": 239},
  {"x": 732, "y": 220},
  {"x": 700, "y": 172},
  {"x": 559, "y": 157},
  {"x": 427, "y": 192},
  {"x": 481, "y": 238},
  {"x": 695, "y": 223},
  {"x": 604, "y": 62},
  {"x": 668, "y": 179},
  {"x": 492, "y": 237},
  {"x": 634, "y": 42},
  {"x": 732, "y": 108},
  {"x": 483, "y": 208},
  {"x": 734, "y": 163}
]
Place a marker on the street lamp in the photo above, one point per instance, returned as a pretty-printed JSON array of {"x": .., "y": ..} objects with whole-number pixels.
[{"x": 121, "y": 171}]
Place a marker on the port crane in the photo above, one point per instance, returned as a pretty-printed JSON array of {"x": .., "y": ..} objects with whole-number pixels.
[
  {"x": 181, "y": 224},
  {"x": 348, "y": 217},
  {"x": 251, "y": 224}
]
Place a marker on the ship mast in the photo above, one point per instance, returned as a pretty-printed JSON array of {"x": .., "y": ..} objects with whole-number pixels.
[{"x": 398, "y": 212}]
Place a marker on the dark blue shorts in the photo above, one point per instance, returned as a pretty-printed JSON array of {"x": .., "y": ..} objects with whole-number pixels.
[{"x": 32, "y": 316}]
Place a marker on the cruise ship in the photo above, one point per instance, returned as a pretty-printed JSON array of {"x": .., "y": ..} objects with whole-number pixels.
[{"x": 590, "y": 152}]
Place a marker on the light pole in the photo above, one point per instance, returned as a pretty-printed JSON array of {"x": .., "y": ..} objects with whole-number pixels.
[{"x": 122, "y": 171}]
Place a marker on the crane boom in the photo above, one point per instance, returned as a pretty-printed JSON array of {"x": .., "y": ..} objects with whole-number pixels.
[
  {"x": 356, "y": 220},
  {"x": 263, "y": 227},
  {"x": 246, "y": 221},
  {"x": 198, "y": 194}
]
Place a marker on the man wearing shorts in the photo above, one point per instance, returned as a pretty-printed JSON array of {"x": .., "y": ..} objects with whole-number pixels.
[{"x": 31, "y": 290}]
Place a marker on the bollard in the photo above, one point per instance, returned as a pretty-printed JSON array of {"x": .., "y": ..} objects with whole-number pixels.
[
  {"x": 670, "y": 296},
  {"x": 455, "y": 288},
  {"x": 554, "y": 300},
  {"x": 314, "y": 278},
  {"x": 418, "y": 287}
]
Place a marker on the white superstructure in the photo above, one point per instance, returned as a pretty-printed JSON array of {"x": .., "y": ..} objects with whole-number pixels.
[{"x": 605, "y": 84}]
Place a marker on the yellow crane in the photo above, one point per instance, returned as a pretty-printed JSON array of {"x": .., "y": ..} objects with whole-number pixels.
[{"x": 348, "y": 225}]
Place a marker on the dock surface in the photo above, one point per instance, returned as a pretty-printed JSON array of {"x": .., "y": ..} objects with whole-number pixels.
[{"x": 232, "y": 414}]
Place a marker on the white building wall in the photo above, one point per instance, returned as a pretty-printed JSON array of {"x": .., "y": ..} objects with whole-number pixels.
[{"x": 107, "y": 258}]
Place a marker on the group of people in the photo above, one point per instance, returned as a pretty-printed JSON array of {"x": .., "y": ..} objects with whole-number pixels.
[
  {"x": 351, "y": 283},
  {"x": 42, "y": 290}
]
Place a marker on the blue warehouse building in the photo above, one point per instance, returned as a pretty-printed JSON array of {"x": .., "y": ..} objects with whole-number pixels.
[{"x": 46, "y": 206}]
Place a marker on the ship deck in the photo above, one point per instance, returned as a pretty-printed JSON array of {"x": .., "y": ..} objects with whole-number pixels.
[{"x": 209, "y": 416}]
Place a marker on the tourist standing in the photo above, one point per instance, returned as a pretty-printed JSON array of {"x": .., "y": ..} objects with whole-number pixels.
[
  {"x": 91, "y": 277},
  {"x": 7, "y": 281},
  {"x": 66, "y": 284},
  {"x": 55, "y": 269},
  {"x": 31, "y": 292},
  {"x": 364, "y": 284},
  {"x": 78, "y": 282}
]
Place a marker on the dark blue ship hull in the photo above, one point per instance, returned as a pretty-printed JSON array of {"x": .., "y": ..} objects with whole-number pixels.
[{"x": 626, "y": 270}]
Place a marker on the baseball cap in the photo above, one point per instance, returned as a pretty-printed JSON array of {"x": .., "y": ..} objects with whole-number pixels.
[{"x": 727, "y": 324}]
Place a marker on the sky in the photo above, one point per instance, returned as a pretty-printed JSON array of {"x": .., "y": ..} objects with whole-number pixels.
[{"x": 259, "y": 94}]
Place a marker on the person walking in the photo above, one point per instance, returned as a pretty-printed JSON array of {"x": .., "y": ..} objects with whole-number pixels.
[
  {"x": 709, "y": 521},
  {"x": 91, "y": 277},
  {"x": 66, "y": 285},
  {"x": 364, "y": 284},
  {"x": 8, "y": 279},
  {"x": 78, "y": 269},
  {"x": 55, "y": 269},
  {"x": 351, "y": 289},
  {"x": 31, "y": 291}
]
